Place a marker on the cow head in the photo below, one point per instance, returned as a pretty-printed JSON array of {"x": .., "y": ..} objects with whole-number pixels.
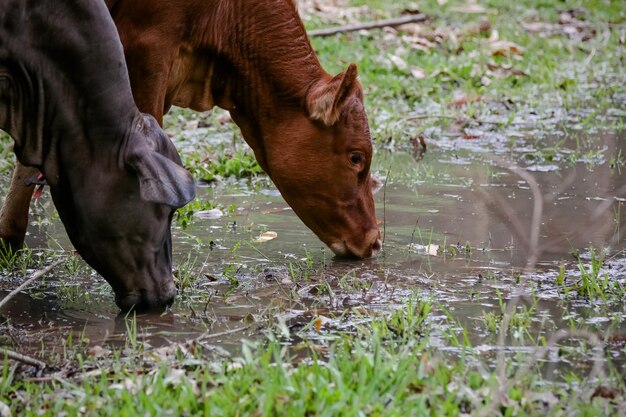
[
  {"x": 322, "y": 166},
  {"x": 118, "y": 215},
  {"x": 114, "y": 176}
]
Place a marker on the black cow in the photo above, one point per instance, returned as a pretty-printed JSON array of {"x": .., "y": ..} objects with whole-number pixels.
[{"x": 114, "y": 176}]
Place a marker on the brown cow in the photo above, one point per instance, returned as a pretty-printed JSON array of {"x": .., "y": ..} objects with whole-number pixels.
[
  {"x": 115, "y": 177},
  {"x": 308, "y": 129}
]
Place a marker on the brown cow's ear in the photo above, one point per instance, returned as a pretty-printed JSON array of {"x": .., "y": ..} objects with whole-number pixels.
[
  {"x": 326, "y": 98},
  {"x": 161, "y": 180}
]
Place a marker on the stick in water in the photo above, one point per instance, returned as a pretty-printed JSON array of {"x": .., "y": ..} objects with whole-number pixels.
[
  {"x": 29, "y": 281},
  {"x": 23, "y": 358}
]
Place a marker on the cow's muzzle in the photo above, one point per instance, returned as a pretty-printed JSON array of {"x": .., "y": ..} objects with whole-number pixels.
[
  {"x": 144, "y": 300},
  {"x": 368, "y": 248}
]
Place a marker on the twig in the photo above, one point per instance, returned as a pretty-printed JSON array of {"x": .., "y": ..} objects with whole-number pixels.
[
  {"x": 414, "y": 18},
  {"x": 208, "y": 335},
  {"x": 460, "y": 118},
  {"x": 23, "y": 358},
  {"x": 385, "y": 205},
  {"x": 432, "y": 116},
  {"x": 26, "y": 283}
]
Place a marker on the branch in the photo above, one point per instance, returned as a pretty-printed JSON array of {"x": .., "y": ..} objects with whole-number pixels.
[
  {"x": 33, "y": 277},
  {"x": 414, "y": 18},
  {"x": 23, "y": 358}
]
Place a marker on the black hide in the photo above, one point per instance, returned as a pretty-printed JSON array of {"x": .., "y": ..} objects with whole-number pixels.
[{"x": 115, "y": 177}]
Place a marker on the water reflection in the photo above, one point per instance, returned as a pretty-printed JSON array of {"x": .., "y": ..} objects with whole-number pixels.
[{"x": 483, "y": 216}]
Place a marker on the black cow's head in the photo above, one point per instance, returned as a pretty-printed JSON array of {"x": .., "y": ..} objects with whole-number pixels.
[
  {"x": 118, "y": 214},
  {"x": 114, "y": 175}
]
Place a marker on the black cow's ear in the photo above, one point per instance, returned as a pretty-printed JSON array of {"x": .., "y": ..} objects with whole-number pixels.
[{"x": 161, "y": 180}]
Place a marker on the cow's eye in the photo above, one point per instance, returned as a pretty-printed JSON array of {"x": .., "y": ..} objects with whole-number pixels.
[{"x": 356, "y": 158}]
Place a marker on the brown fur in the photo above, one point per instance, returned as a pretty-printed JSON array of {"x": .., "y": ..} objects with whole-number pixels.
[{"x": 253, "y": 58}]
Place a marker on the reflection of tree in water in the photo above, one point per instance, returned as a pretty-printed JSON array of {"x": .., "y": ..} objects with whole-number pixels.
[{"x": 568, "y": 210}]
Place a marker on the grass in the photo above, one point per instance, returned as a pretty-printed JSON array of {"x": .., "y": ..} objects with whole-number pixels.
[
  {"x": 459, "y": 60},
  {"x": 591, "y": 280},
  {"x": 388, "y": 366},
  {"x": 393, "y": 336}
]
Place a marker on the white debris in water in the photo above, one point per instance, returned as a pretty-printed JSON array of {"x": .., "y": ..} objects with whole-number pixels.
[
  {"x": 594, "y": 320},
  {"x": 542, "y": 168},
  {"x": 266, "y": 236},
  {"x": 424, "y": 249},
  {"x": 210, "y": 214}
]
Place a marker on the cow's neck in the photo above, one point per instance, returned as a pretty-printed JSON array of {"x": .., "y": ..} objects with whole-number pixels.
[
  {"x": 54, "y": 100},
  {"x": 260, "y": 67}
]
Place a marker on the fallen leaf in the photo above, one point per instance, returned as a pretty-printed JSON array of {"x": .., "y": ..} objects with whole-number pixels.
[
  {"x": 470, "y": 8},
  {"x": 266, "y": 237},
  {"x": 538, "y": 27},
  {"x": 411, "y": 29},
  {"x": 419, "y": 147},
  {"x": 98, "y": 352},
  {"x": 605, "y": 392},
  {"x": 472, "y": 134},
  {"x": 463, "y": 100},
  {"x": 504, "y": 71},
  {"x": 505, "y": 48},
  {"x": 418, "y": 73},
  {"x": 459, "y": 102},
  {"x": 482, "y": 27},
  {"x": 399, "y": 62},
  {"x": 318, "y": 325},
  {"x": 126, "y": 385}
]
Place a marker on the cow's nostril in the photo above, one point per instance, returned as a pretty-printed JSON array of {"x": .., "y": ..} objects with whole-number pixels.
[
  {"x": 128, "y": 302},
  {"x": 377, "y": 246},
  {"x": 144, "y": 301},
  {"x": 168, "y": 292}
]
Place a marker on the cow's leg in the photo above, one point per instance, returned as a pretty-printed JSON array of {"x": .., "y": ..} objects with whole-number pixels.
[{"x": 14, "y": 212}]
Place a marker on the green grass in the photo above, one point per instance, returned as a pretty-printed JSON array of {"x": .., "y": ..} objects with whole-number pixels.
[
  {"x": 383, "y": 353},
  {"x": 386, "y": 367},
  {"x": 591, "y": 280},
  {"x": 556, "y": 71}
]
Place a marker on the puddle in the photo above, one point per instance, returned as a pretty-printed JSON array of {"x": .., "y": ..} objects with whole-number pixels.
[{"x": 458, "y": 230}]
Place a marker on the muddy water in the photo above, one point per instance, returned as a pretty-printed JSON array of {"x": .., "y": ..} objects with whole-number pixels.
[{"x": 460, "y": 226}]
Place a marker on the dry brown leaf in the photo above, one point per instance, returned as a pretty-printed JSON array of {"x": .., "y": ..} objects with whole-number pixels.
[
  {"x": 538, "y": 27},
  {"x": 482, "y": 27},
  {"x": 98, "y": 352},
  {"x": 411, "y": 28},
  {"x": 472, "y": 134},
  {"x": 318, "y": 325},
  {"x": 505, "y": 48},
  {"x": 605, "y": 392},
  {"x": 504, "y": 70},
  {"x": 463, "y": 100},
  {"x": 470, "y": 7}
]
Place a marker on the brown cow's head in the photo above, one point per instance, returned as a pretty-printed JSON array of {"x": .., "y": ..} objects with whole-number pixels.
[
  {"x": 117, "y": 213},
  {"x": 322, "y": 166}
]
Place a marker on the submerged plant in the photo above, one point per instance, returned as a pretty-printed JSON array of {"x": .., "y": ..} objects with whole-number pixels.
[{"x": 591, "y": 280}]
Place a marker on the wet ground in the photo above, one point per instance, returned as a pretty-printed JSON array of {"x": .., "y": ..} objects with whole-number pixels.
[{"x": 462, "y": 227}]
